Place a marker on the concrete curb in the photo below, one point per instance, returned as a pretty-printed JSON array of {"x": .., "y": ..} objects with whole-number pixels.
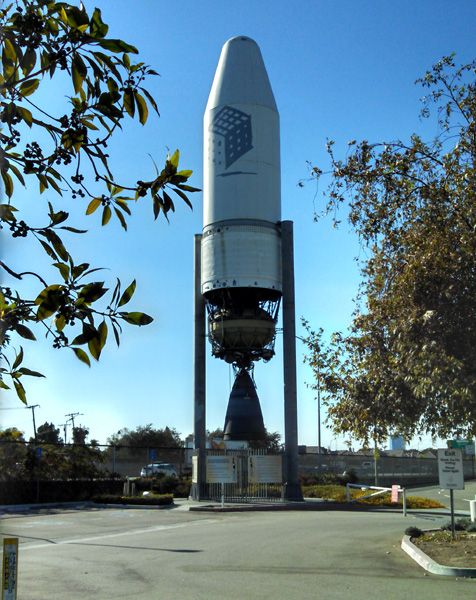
[{"x": 430, "y": 565}]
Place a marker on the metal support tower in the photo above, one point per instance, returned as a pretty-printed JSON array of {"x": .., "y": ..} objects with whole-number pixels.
[
  {"x": 199, "y": 385},
  {"x": 292, "y": 487}
]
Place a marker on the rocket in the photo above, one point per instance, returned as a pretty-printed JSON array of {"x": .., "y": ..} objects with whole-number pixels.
[{"x": 241, "y": 242}]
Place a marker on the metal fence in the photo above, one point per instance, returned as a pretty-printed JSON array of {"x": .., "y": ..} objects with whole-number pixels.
[
  {"x": 243, "y": 490},
  {"x": 404, "y": 470},
  {"x": 19, "y": 459}
]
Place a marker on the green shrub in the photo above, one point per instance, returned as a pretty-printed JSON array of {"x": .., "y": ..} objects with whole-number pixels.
[
  {"x": 349, "y": 476},
  {"x": 413, "y": 532},
  {"x": 471, "y": 528},
  {"x": 179, "y": 487},
  {"x": 150, "y": 500}
]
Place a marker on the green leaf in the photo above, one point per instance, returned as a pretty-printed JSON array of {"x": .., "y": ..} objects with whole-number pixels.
[
  {"x": 142, "y": 108},
  {"x": 128, "y": 99},
  {"x": 185, "y": 173},
  {"x": 102, "y": 331},
  {"x": 151, "y": 100},
  {"x": 93, "y": 205},
  {"x": 183, "y": 196},
  {"x": 106, "y": 215},
  {"x": 94, "y": 346},
  {"x": 20, "y": 390},
  {"x": 136, "y": 318},
  {"x": 188, "y": 188},
  {"x": 121, "y": 218},
  {"x": 28, "y": 61},
  {"x": 9, "y": 50},
  {"x": 117, "y": 46},
  {"x": 7, "y": 183},
  {"x": 18, "y": 359},
  {"x": 174, "y": 159},
  {"x": 60, "y": 322},
  {"x": 30, "y": 373},
  {"x": 25, "y": 114},
  {"x": 156, "y": 205},
  {"x": 169, "y": 205},
  {"x": 49, "y": 300},
  {"x": 97, "y": 27},
  {"x": 63, "y": 269},
  {"x": 127, "y": 295},
  {"x": 55, "y": 240},
  {"x": 92, "y": 292},
  {"x": 3, "y": 385},
  {"x": 76, "y": 76},
  {"x": 49, "y": 250},
  {"x": 81, "y": 354},
  {"x": 25, "y": 332},
  {"x": 116, "y": 333},
  {"x": 17, "y": 173},
  {"x": 28, "y": 87}
]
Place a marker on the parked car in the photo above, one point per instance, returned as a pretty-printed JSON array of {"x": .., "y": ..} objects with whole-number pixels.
[{"x": 158, "y": 469}]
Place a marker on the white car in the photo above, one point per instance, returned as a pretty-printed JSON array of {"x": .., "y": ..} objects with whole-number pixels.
[{"x": 158, "y": 469}]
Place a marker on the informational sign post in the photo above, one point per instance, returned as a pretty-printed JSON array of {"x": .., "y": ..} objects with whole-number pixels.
[
  {"x": 10, "y": 569},
  {"x": 451, "y": 475},
  {"x": 450, "y": 469},
  {"x": 221, "y": 469},
  {"x": 265, "y": 469}
]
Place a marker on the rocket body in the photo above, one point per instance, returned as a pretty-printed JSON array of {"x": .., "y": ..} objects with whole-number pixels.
[
  {"x": 241, "y": 243},
  {"x": 242, "y": 196}
]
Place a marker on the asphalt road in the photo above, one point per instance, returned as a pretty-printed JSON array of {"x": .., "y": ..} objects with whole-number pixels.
[
  {"x": 461, "y": 497},
  {"x": 175, "y": 554}
]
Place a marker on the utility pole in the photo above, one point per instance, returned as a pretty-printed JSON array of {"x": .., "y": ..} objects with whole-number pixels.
[
  {"x": 32, "y": 408},
  {"x": 64, "y": 426},
  {"x": 71, "y": 418}
]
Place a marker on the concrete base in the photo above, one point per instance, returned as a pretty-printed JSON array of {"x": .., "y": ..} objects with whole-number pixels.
[{"x": 430, "y": 565}]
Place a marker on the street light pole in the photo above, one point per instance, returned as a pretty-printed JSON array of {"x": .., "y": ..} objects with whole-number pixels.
[{"x": 318, "y": 410}]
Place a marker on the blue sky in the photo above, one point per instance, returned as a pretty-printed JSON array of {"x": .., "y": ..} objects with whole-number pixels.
[{"x": 339, "y": 69}]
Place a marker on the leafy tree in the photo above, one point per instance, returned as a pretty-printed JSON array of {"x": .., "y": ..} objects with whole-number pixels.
[
  {"x": 146, "y": 436},
  {"x": 66, "y": 155},
  {"x": 271, "y": 443},
  {"x": 13, "y": 452},
  {"x": 47, "y": 434},
  {"x": 79, "y": 435},
  {"x": 408, "y": 364}
]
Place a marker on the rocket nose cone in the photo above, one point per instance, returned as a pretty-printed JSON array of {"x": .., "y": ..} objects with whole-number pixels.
[{"x": 241, "y": 76}]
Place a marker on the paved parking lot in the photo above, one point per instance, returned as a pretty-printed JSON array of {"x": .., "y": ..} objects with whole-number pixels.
[{"x": 174, "y": 553}]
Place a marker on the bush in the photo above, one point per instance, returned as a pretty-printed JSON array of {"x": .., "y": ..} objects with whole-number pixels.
[
  {"x": 413, "y": 532},
  {"x": 151, "y": 500},
  {"x": 471, "y": 528},
  {"x": 180, "y": 488},
  {"x": 458, "y": 526},
  {"x": 349, "y": 476}
]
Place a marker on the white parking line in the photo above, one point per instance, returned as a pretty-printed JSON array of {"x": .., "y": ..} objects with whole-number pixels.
[{"x": 94, "y": 538}]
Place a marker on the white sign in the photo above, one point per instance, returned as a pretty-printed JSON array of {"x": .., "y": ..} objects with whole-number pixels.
[
  {"x": 265, "y": 469},
  {"x": 221, "y": 469},
  {"x": 450, "y": 469},
  {"x": 10, "y": 569}
]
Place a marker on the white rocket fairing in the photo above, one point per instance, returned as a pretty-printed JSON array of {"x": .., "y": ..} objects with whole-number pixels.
[{"x": 241, "y": 244}]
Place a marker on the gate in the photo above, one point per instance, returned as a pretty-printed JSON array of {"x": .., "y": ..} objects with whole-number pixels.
[{"x": 245, "y": 489}]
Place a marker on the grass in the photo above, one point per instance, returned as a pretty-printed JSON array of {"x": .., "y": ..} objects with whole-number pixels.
[{"x": 338, "y": 494}]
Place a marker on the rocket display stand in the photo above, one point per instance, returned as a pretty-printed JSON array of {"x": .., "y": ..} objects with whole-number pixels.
[
  {"x": 244, "y": 265},
  {"x": 291, "y": 485}
]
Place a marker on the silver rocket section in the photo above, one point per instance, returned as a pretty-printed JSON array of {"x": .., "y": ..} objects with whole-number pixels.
[{"x": 241, "y": 244}]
